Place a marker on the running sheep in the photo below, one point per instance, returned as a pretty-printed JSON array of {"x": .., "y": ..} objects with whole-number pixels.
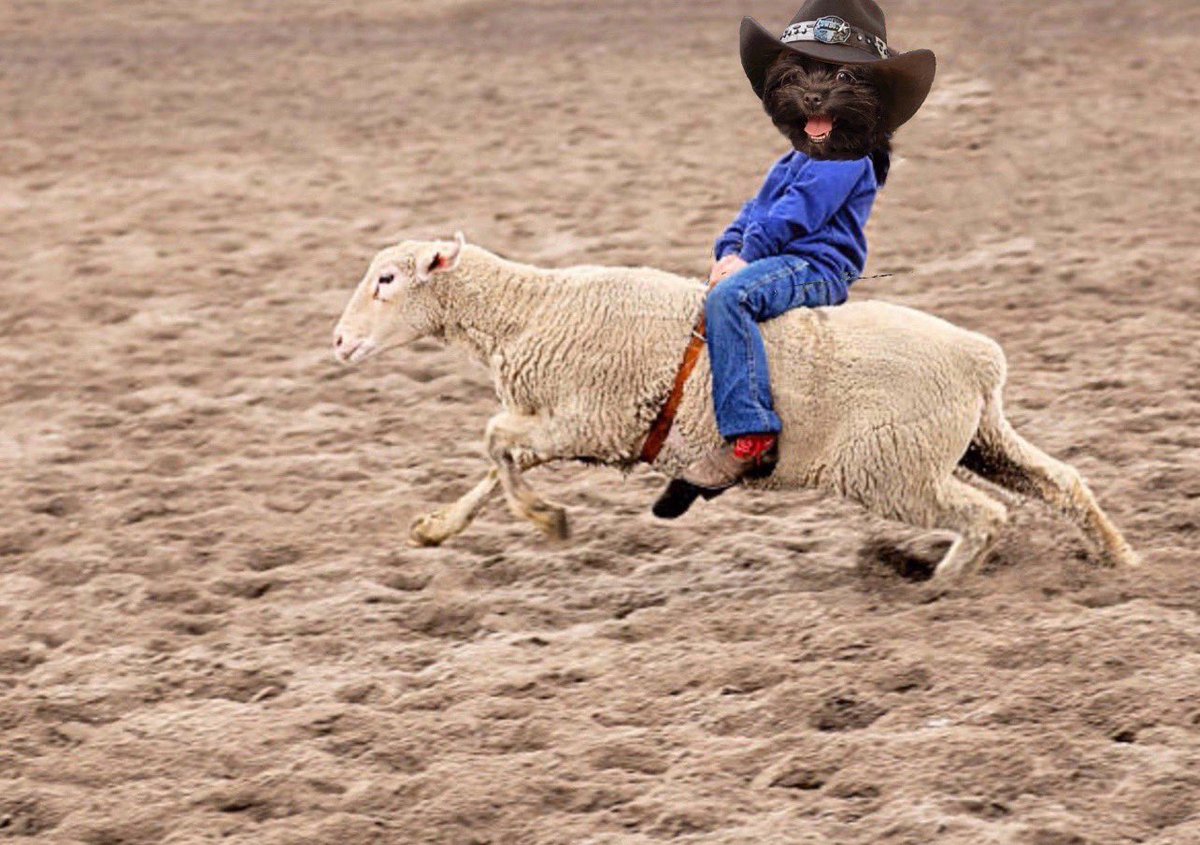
[{"x": 882, "y": 404}]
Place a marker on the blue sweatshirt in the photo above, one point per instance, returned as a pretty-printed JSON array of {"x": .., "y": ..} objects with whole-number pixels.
[{"x": 814, "y": 209}]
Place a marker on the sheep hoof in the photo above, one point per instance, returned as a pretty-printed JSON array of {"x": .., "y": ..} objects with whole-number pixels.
[
  {"x": 1123, "y": 558},
  {"x": 428, "y": 530},
  {"x": 943, "y": 575},
  {"x": 552, "y": 520},
  {"x": 949, "y": 570}
]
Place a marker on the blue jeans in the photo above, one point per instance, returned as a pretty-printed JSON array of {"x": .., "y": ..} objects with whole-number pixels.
[{"x": 761, "y": 291}]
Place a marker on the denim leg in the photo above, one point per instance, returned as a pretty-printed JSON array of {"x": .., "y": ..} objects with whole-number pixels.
[{"x": 741, "y": 377}]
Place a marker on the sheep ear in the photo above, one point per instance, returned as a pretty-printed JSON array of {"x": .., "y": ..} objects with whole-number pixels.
[{"x": 442, "y": 260}]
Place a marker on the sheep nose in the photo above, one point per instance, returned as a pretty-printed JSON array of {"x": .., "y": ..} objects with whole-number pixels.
[
  {"x": 342, "y": 348},
  {"x": 812, "y": 100}
]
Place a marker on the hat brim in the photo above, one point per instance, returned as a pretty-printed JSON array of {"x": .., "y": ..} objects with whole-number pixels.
[{"x": 904, "y": 80}]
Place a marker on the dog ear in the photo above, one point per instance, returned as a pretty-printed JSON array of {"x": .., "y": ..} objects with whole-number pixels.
[{"x": 441, "y": 259}]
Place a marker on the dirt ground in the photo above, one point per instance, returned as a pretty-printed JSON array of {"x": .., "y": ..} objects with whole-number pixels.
[{"x": 211, "y": 628}]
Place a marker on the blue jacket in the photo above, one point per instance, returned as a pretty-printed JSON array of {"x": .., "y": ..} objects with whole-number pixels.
[{"x": 814, "y": 209}]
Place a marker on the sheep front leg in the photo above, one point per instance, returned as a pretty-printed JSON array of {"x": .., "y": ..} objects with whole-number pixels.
[
  {"x": 515, "y": 442},
  {"x": 435, "y": 528}
]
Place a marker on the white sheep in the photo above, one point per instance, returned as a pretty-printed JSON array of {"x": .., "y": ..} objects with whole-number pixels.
[{"x": 880, "y": 403}]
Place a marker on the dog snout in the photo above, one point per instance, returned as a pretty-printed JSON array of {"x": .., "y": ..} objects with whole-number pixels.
[{"x": 813, "y": 100}]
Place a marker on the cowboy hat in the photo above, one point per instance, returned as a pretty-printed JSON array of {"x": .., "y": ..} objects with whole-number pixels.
[{"x": 847, "y": 32}]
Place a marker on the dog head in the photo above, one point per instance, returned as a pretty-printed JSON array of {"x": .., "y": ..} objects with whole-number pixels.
[{"x": 826, "y": 111}]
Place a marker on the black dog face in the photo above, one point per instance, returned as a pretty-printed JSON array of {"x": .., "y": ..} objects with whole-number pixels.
[{"x": 827, "y": 111}]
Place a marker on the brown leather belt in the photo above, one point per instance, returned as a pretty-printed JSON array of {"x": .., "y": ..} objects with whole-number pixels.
[{"x": 666, "y": 414}]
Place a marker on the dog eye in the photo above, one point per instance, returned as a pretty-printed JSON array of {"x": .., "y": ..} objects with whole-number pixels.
[
  {"x": 845, "y": 76},
  {"x": 387, "y": 278}
]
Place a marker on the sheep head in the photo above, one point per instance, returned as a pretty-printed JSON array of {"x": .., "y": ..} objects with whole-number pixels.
[{"x": 393, "y": 304}]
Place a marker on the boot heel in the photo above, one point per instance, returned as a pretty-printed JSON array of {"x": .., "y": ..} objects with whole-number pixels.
[
  {"x": 679, "y": 497},
  {"x": 676, "y": 499}
]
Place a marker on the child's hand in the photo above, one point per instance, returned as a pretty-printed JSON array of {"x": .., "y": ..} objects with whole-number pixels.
[{"x": 725, "y": 268}]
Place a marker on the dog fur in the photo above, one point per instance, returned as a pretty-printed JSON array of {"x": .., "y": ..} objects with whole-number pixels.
[{"x": 798, "y": 87}]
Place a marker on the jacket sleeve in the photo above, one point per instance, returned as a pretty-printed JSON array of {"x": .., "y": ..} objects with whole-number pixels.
[
  {"x": 806, "y": 206},
  {"x": 731, "y": 240}
]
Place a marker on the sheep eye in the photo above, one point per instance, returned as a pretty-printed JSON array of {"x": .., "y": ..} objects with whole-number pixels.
[{"x": 387, "y": 278}]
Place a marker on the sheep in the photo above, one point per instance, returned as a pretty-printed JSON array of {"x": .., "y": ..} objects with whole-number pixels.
[{"x": 885, "y": 405}]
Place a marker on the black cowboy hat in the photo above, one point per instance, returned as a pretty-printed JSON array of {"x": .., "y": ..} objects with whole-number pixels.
[{"x": 846, "y": 32}]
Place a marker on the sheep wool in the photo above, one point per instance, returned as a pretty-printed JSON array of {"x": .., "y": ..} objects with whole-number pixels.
[{"x": 882, "y": 404}]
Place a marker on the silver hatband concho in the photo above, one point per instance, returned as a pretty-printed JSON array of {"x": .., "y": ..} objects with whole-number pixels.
[{"x": 833, "y": 30}]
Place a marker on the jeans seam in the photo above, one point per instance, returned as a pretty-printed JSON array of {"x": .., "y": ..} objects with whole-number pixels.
[
  {"x": 788, "y": 267},
  {"x": 769, "y": 279},
  {"x": 805, "y": 287},
  {"x": 764, "y": 419}
]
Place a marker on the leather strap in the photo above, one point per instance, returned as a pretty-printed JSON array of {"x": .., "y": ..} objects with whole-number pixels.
[
  {"x": 666, "y": 414},
  {"x": 833, "y": 30}
]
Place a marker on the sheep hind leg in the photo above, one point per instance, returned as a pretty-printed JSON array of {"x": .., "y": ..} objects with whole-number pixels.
[
  {"x": 1000, "y": 455},
  {"x": 518, "y": 441},
  {"x": 435, "y": 528},
  {"x": 971, "y": 514}
]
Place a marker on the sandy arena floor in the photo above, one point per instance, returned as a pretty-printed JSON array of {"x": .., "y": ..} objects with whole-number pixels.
[{"x": 211, "y": 628}]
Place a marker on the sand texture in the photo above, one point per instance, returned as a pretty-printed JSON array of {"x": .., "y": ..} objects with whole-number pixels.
[{"x": 211, "y": 628}]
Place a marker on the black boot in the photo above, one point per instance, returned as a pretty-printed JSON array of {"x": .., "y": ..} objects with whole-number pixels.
[{"x": 679, "y": 495}]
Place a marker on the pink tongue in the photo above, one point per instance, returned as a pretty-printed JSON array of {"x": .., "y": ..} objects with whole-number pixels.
[{"x": 818, "y": 126}]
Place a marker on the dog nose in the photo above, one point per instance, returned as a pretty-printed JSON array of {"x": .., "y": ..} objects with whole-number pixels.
[{"x": 812, "y": 100}]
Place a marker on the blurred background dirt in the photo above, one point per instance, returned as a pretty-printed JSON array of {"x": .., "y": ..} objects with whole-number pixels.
[{"x": 210, "y": 626}]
